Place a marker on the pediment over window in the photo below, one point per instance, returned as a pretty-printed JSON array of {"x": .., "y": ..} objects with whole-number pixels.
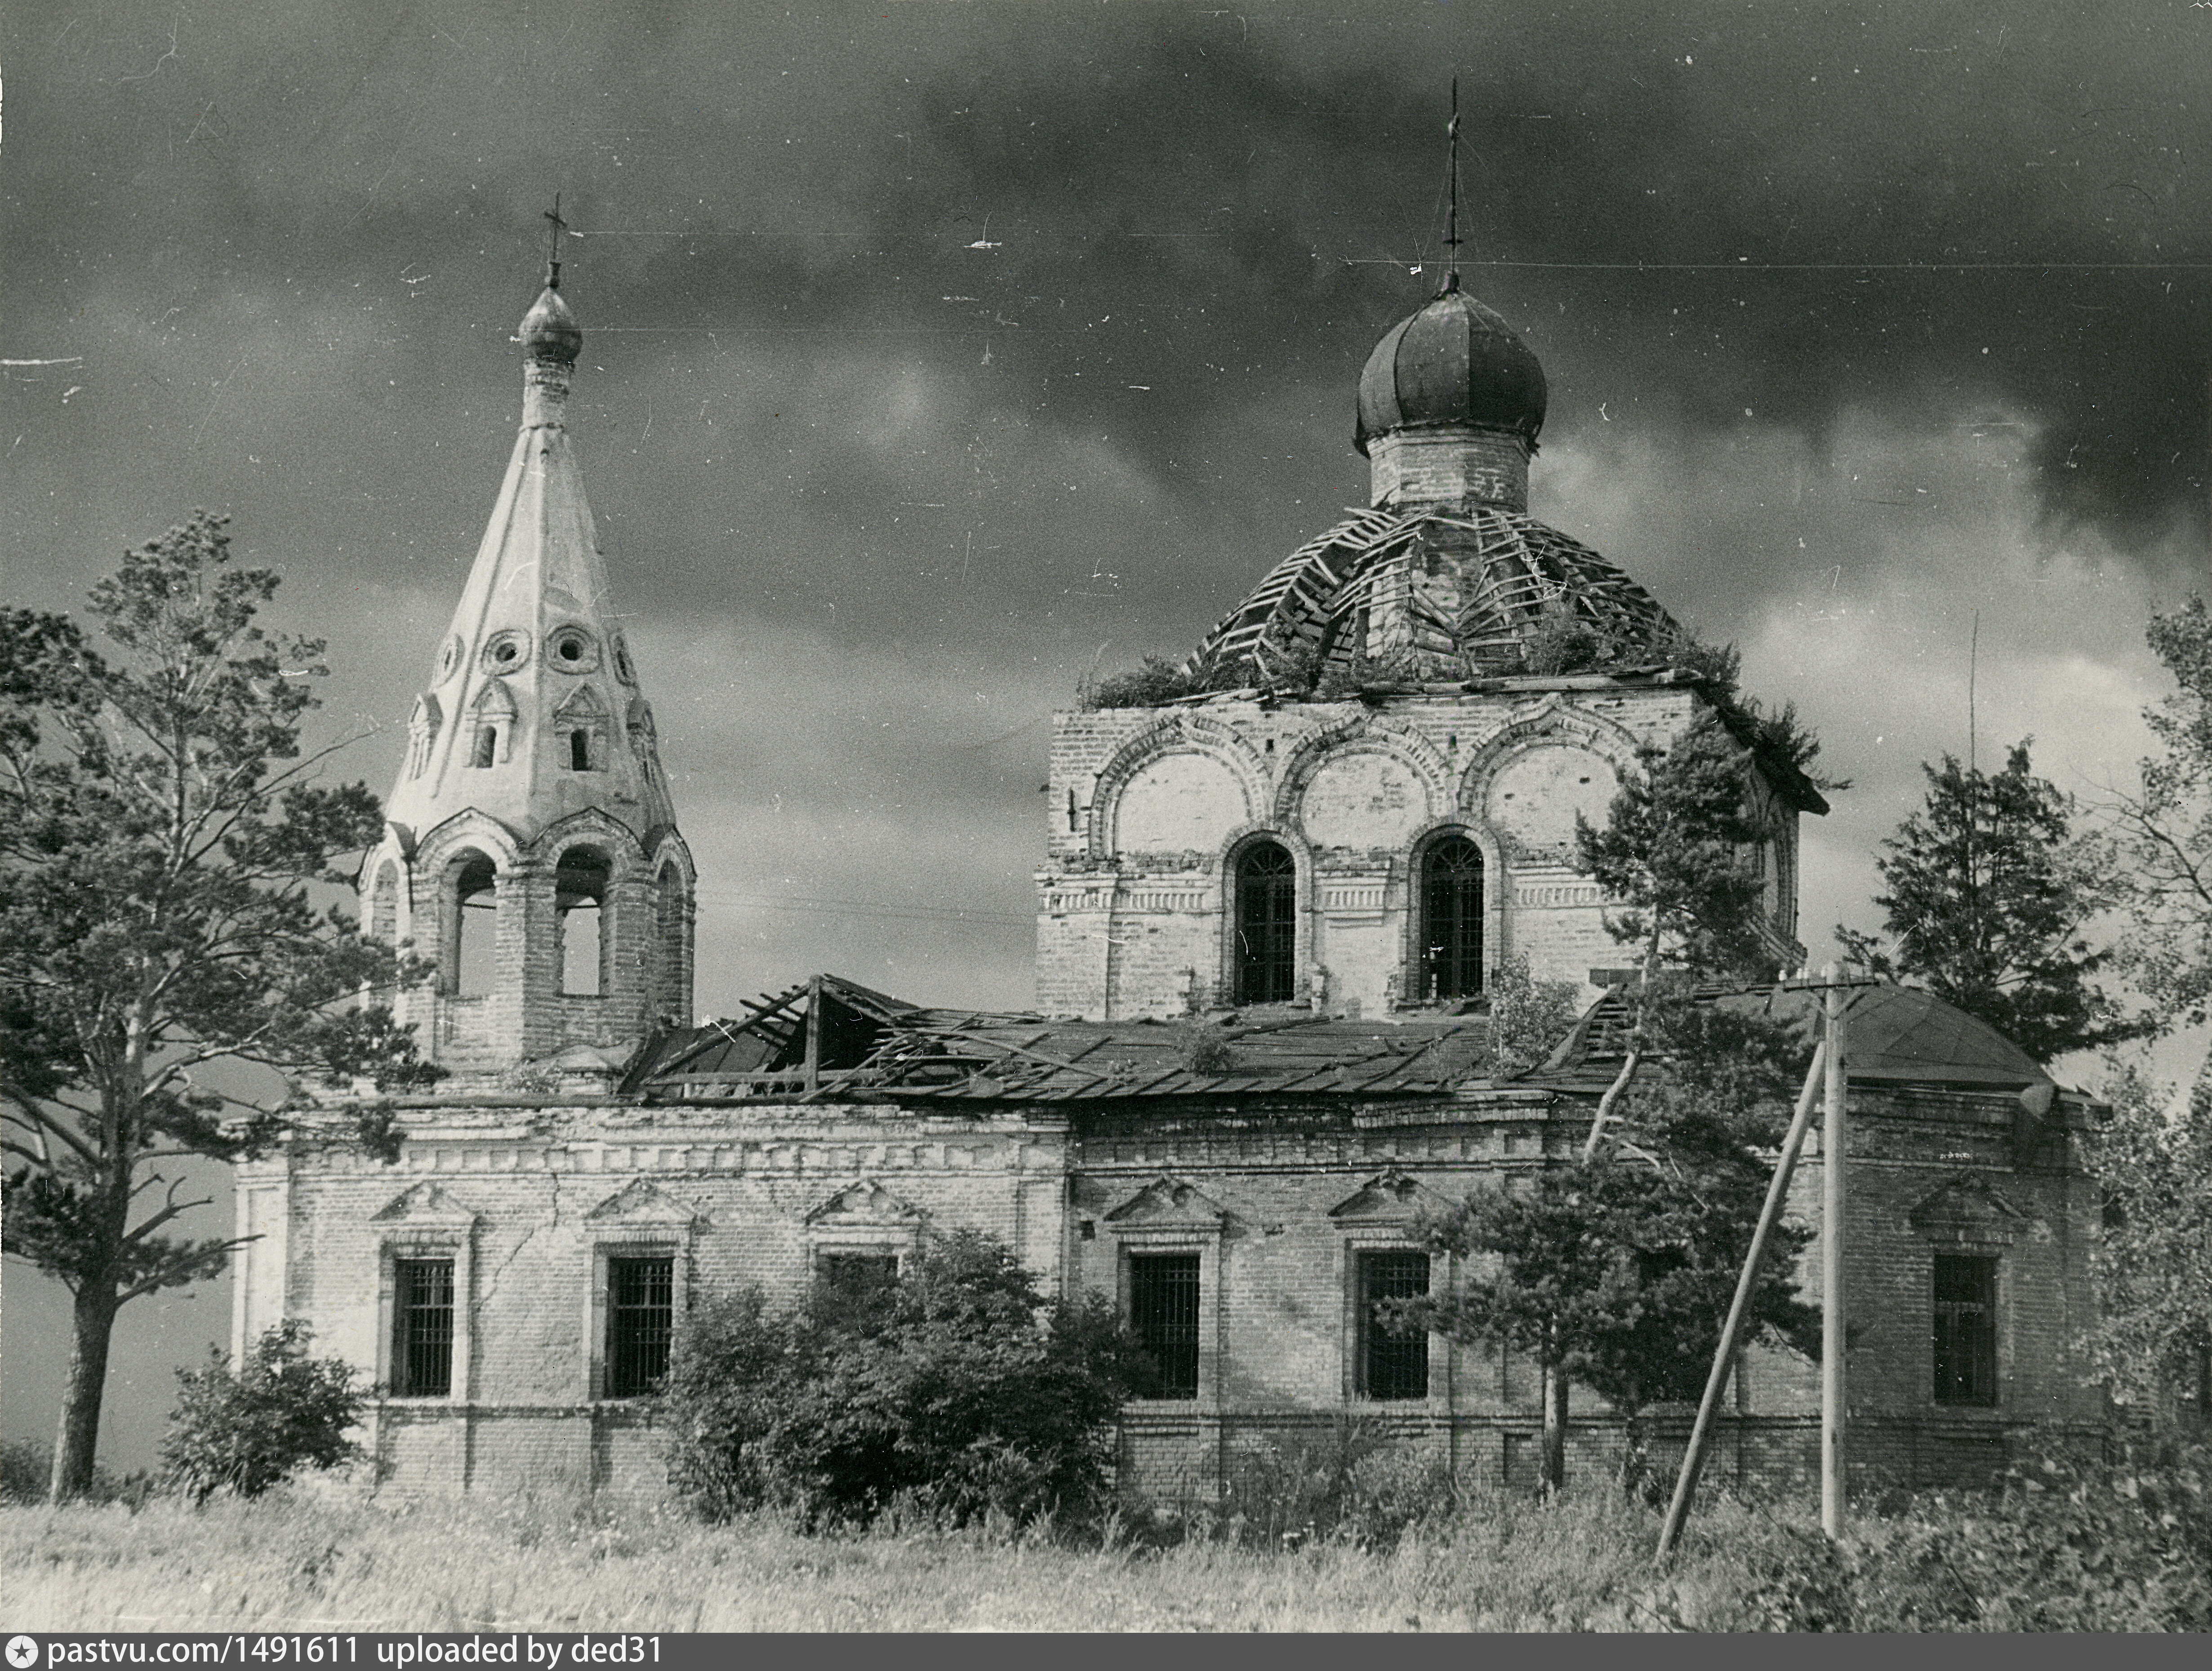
[
  {"x": 583, "y": 703},
  {"x": 866, "y": 1202},
  {"x": 425, "y": 1206},
  {"x": 1391, "y": 1197},
  {"x": 1965, "y": 1207},
  {"x": 493, "y": 701},
  {"x": 1167, "y": 1203},
  {"x": 642, "y": 1204}
]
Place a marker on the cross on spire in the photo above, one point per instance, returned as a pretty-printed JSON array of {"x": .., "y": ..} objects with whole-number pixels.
[
  {"x": 553, "y": 243},
  {"x": 1451, "y": 214}
]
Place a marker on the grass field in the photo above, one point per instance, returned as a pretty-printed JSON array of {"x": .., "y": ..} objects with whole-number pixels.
[
  {"x": 313, "y": 1563},
  {"x": 2126, "y": 1550}
]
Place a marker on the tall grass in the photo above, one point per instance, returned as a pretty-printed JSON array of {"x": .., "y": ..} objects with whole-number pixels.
[{"x": 2077, "y": 1554}]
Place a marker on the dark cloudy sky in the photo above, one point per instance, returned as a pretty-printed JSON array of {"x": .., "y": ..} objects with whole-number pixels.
[{"x": 938, "y": 353}]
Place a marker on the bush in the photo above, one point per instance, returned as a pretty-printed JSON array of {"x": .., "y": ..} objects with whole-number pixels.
[
  {"x": 25, "y": 1466},
  {"x": 245, "y": 1432},
  {"x": 956, "y": 1394},
  {"x": 1345, "y": 1484},
  {"x": 1527, "y": 1016},
  {"x": 1158, "y": 680}
]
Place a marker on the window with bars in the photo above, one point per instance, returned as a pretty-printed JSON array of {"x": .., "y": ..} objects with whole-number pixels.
[
  {"x": 640, "y": 1322},
  {"x": 421, "y": 1328},
  {"x": 1451, "y": 919},
  {"x": 1267, "y": 925},
  {"x": 1391, "y": 1366},
  {"x": 1163, "y": 1316},
  {"x": 1966, "y": 1333}
]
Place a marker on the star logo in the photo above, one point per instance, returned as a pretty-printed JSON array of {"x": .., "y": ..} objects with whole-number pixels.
[{"x": 22, "y": 1652}]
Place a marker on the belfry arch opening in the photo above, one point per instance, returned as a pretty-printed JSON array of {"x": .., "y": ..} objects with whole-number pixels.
[
  {"x": 579, "y": 905},
  {"x": 1264, "y": 934},
  {"x": 1448, "y": 936},
  {"x": 471, "y": 937}
]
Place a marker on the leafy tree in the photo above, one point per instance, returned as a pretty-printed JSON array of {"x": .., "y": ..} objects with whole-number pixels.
[
  {"x": 1671, "y": 852},
  {"x": 958, "y": 1387},
  {"x": 1988, "y": 897},
  {"x": 244, "y": 1432},
  {"x": 2152, "y": 1263},
  {"x": 1527, "y": 1016},
  {"x": 160, "y": 839},
  {"x": 2165, "y": 829},
  {"x": 1617, "y": 1269}
]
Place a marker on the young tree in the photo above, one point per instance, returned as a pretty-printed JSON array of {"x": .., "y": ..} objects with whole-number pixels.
[
  {"x": 2152, "y": 1261},
  {"x": 1617, "y": 1271},
  {"x": 159, "y": 836},
  {"x": 1988, "y": 893},
  {"x": 2165, "y": 829},
  {"x": 244, "y": 1432}
]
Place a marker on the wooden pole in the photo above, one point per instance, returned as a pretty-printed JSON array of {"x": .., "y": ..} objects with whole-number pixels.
[
  {"x": 1832, "y": 1149},
  {"x": 814, "y": 1034},
  {"x": 1777, "y": 1192}
]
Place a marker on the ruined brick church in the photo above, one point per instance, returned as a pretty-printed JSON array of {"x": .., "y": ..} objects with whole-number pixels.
[{"x": 1269, "y": 919}]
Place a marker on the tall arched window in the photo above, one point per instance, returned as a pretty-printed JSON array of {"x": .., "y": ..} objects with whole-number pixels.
[
  {"x": 580, "y": 899},
  {"x": 669, "y": 925},
  {"x": 472, "y": 936},
  {"x": 1266, "y": 924},
  {"x": 1449, "y": 947}
]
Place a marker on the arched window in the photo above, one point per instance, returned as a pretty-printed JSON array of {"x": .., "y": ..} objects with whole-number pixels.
[
  {"x": 384, "y": 904},
  {"x": 669, "y": 915},
  {"x": 472, "y": 936},
  {"x": 1449, "y": 947},
  {"x": 580, "y": 899},
  {"x": 1266, "y": 920}
]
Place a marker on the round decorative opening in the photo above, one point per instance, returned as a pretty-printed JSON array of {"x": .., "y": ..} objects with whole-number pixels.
[
  {"x": 573, "y": 649},
  {"x": 624, "y": 671},
  {"x": 449, "y": 657},
  {"x": 505, "y": 652}
]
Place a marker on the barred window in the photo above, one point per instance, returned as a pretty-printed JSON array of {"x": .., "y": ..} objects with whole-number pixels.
[
  {"x": 640, "y": 1322},
  {"x": 1163, "y": 1316},
  {"x": 1965, "y": 1333},
  {"x": 1267, "y": 925},
  {"x": 423, "y": 1328},
  {"x": 1391, "y": 1366}
]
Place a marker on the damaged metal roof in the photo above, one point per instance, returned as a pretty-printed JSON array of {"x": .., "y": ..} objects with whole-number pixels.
[{"x": 831, "y": 1040}]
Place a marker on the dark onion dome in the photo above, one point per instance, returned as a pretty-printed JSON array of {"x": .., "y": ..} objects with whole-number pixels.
[
  {"x": 1453, "y": 363},
  {"x": 550, "y": 330}
]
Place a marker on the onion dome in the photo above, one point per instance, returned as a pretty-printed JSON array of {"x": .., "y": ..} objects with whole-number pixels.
[
  {"x": 1453, "y": 363},
  {"x": 549, "y": 331}
]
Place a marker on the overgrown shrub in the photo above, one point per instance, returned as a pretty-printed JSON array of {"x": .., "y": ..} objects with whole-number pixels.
[
  {"x": 1527, "y": 1016},
  {"x": 958, "y": 1393},
  {"x": 1156, "y": 680},
  {"x": 1347, "y": 1483},
  {"x": 244, "y": 1432},
  {"x": 25, "y": 1466}
]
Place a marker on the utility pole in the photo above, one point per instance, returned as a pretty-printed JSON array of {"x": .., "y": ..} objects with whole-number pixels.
[{"x": 1832, "y": 1143}]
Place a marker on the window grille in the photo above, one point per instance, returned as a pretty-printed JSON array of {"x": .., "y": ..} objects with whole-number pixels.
[
  {"x": 1163, "y": 1316},
  {"x": 1267, "y": 925},
  {"x": 423, "y": 1328},
  {"x": 1965, "y": 1333},
  {"x": 640, "y": 1322},
  {"x": 1451, "y": 919},
  {"x": 1391, "y": 1366}
]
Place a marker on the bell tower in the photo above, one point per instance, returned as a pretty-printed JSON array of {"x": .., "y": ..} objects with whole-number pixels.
[{"x": 531, "y": 850}]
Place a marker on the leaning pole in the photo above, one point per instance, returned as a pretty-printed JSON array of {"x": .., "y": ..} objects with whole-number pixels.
[{"x": 1833, "y": 1144}]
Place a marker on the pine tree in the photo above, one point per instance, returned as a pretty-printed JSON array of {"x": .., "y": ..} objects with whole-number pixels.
[
  {"x": 1988, "y": 893},
  {"x": 160, "y": 842}
]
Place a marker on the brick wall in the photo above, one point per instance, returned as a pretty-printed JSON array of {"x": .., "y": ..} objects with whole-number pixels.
[
  {"x": 1147, "y": 806},
  {"x": 1278, "y": 1200}
]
